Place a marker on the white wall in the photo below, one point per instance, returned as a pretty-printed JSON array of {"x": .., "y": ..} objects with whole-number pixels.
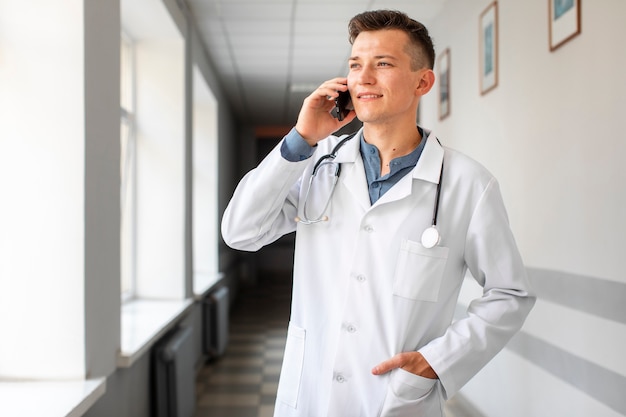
[{"x": 552, "y": 132}]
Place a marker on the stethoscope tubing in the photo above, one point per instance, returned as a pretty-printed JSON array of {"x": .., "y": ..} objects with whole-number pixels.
[
  {"x": 430, "y": 237},
  {"x": 332, "y": 155},
  {"x": 437, "y": 197}
]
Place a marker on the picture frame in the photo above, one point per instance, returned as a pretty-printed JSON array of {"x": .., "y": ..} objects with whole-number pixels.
[
  {"x": 564, "y": 22},
  {"x": 488, "y": 56},
  {"x": 443, "y": 73}
]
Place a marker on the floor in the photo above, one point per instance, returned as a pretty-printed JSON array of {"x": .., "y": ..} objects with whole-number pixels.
[{"x": 243, "y": 382}]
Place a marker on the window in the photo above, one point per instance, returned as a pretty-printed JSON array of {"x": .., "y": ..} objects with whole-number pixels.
[{"x": 153, "y": 162}]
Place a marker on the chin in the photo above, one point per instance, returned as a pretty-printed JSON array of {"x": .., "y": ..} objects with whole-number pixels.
[{"x": 366, "y": 117}]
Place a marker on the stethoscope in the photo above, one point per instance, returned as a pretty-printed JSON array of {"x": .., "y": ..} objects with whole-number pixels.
[{"x": 430, "y": 236}]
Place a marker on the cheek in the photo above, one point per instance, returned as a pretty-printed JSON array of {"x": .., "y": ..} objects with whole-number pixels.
[
  {"x": 404, "y": 89},
  {"x": 351, "y": 82}
]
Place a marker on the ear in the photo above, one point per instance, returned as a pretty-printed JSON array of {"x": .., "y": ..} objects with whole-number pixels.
[{"x": 426, "y": 82}]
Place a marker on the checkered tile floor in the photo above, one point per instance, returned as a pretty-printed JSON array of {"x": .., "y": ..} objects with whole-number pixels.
[{"x": 243, "y": 382}]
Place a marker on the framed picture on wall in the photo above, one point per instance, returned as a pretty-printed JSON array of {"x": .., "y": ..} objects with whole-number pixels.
[
  {"x": 489, "y": 48},
  {"x": 564, "y": 22},
  {"x": 443, "y": 73}
]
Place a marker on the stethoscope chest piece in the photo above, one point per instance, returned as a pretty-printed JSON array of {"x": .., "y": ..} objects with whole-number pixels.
[{"x": 430, "y": 237}]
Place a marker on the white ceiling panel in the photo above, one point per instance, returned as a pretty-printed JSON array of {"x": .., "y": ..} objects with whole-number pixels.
[
  {"x": 341, "y": 11},
  {"x": 268, "y": 26},
  {"x": 311, "y": 27},
  {"x": 234, "y": 11},
  {"x": 242, "y": 41},
  {"x": 264, "y": 72}
]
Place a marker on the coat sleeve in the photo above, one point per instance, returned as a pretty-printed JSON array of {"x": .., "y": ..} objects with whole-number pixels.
[
  {"x": 492, "y": 257},
  {"x": 264, "y": 204}
]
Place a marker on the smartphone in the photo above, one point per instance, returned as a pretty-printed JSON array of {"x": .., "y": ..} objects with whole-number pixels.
[{"x": 343, "y": 105}]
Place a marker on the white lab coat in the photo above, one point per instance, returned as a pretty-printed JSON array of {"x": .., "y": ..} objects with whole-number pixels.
[{"x": 366, "y": 289}]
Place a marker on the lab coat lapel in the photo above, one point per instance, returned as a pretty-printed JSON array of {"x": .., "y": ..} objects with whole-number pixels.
[
  {"x": 353, "y": 177},
  {"x": 352, "y": 171},
  {"x": 427, "y": 169}
]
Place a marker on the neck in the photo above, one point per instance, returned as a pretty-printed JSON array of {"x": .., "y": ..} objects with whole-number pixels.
[{"x": 391, "y": 143}]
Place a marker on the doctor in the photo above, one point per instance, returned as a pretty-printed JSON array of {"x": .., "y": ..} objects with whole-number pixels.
[{"x": 375, "y": 280}]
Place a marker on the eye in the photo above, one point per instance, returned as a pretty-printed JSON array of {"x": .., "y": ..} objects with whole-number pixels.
[
  {"x": 384, "y": 64},
  {"x": 353, "y": 65}
]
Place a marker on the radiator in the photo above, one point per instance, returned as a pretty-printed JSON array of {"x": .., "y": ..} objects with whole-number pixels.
[
  {"x": 216, "y": 317},
  {"x": 174, "y": 372}
]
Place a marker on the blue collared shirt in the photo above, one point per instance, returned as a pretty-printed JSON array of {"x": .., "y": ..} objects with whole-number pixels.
[{"x": 295, "y": 148}]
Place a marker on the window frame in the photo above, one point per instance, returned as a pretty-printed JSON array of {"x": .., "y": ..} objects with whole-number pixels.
[{"x": 128, "y": 169}]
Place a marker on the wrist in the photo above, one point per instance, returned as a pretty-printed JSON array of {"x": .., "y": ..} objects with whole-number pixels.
[
  {"x": 425, "y": 369},
  {"x": 295, "y": 148},
  {"x": 306, "y": 137}
]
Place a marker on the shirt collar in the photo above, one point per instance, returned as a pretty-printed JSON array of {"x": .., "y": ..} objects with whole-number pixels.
[{"x": 371, "y": 158}]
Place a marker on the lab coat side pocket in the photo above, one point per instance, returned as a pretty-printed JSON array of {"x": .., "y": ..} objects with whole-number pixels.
[
  {"x": 419, "y": 271},
  {"x": 411, "y": 395},
  {"x": 291, "y": 372}
]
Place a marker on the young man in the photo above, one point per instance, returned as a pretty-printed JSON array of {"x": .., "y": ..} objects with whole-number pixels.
[{"x": 375, "y": 281}]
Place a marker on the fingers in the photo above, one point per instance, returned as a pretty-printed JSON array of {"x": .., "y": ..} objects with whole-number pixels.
[
  {"x": 412, "y": 362},
  {"x": 315, "y": 121},
  {"x": 397, "y": 361},
  {"x": 322, "y": 100},
  {"x": 330, "y": 89}
]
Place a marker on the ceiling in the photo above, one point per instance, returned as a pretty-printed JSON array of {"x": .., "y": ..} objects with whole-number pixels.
[{"x": 271, "y": 54}]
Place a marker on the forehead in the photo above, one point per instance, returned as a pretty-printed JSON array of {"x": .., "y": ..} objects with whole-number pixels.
[{"x": 381, "y": 42}]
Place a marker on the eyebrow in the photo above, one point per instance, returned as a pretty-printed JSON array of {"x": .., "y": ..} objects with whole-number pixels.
[{"x": 356, "y": 58}]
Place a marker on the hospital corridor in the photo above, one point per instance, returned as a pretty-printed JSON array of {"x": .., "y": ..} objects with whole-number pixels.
[{"x": 138, "y": 280}]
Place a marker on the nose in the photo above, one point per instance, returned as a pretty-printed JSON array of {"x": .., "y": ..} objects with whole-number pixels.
[{"x": 365, "y": 76}]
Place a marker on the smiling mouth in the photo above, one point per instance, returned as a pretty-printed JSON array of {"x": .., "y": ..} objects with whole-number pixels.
[{"x": 366, "y": 96}]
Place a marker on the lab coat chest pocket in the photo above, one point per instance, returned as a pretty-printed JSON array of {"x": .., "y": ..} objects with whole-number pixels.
[
  {"x": 293, "y": 359},
  {"x": 419, "y": 271}
]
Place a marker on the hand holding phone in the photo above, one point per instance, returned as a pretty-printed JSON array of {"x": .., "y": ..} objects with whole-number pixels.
[
  {"x": 343, "y": 105},
  {"x": 313, "y": 123}
]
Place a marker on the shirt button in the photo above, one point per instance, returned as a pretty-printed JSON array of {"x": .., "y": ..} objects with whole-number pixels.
[
  {"x": 341, "y": 379},
  {"x": 368, "y": 229},
  {"x": 360, "y": 278},
  {"x": 351, "y": 329},
  {"x": 376, "y": 185}
]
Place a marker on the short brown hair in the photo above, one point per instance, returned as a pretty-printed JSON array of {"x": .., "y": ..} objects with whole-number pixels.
[{"x": 421, "y": 47}]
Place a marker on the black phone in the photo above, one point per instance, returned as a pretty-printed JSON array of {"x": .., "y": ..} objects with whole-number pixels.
[{"x": 343, "y": 105}]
